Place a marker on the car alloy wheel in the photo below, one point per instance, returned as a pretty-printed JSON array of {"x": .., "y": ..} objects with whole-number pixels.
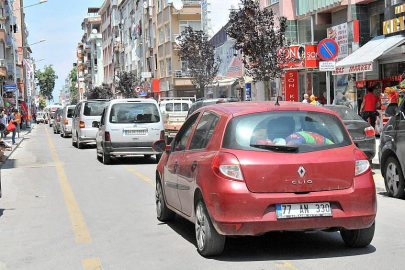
[
  {"x": 209, "y": 241},
  {"x": 163, "y": 213},
  {"x": 394, "y": 179}
]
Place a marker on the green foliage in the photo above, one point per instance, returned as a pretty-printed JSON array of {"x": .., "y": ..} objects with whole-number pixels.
[
  {"x": 46, "y": 81},
  {"x": 100, "y": 92},
  {"x": 74, "y": 91},
  {"x": 259, "y": 39},
  {"x": 127, "y": 83},
  {"x": 199, "y": 54},
  {"x": 42, "y": 103}
]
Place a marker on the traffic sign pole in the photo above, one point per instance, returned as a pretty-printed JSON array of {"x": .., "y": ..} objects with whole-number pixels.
[{"x": 327, "y": 51}]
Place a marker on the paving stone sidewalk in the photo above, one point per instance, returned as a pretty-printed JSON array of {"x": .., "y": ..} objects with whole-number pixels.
[{"x": 18, "y": 139}]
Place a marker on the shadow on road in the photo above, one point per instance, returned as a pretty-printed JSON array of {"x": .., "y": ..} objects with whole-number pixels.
[
  {"x": 277, "y": 245},
  {"x": 132, "y": 160},
  {"x": 8, "y": 164}
]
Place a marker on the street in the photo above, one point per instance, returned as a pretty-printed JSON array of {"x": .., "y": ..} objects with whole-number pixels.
[{"x": 63, "y": 209}]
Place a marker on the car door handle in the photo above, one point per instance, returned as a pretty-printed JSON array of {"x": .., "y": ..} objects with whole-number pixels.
[
  {"x": 175, "y": 166},
  {"x": 194, "y": 166}
]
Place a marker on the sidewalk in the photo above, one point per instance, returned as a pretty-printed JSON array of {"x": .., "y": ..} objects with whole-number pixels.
[{"x": 18, "y": 141}]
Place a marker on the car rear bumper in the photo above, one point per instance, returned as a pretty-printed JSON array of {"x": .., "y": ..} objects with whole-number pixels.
[
  {"x": 129, "y": 148},
  {"x": 234, "y": 210},
  {"x": 87, "y": 135}
]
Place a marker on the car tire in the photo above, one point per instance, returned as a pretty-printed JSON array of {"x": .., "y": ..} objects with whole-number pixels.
[
  {"x": 106, "y": 158},
  {"x": 73, "y": 142},
  {"x": 209, "y": 241},
  {"x": 163, "y": 213},
  {"x": 79, "y": 144},
  {"x": 358, "y": 238},
  {"x": 62, "y": 135},
  {"x": 158, "y": 157},
  {"x": 394, "y": 178}
]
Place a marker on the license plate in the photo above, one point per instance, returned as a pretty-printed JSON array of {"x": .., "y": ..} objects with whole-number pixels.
[
  {"x": 135, "y": 132},
  {"x": 302, "y": 210}
]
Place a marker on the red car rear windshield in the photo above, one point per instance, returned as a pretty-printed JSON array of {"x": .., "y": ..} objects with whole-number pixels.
[{"x": 295, "y": 131}]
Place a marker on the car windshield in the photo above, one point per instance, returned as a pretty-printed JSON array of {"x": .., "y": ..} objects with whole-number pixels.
[
  {"x": 94, "y": 108},
  {"x": 299, "y": 131},
  {"x": 134, "y": 113},
  {"x": 345, "y": 113},
  {"x": 177, "y": 107}
]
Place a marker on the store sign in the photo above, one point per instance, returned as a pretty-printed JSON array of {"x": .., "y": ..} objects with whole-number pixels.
[
  {"x": 300, "y": 56},
  {"x": 339, "y": 34},
  {"x": 360, "y": 84},
  {"x": 327, "y": 66},
  {"x": 395, "y": 23},
  {"x": 353, "y": 69},
  {"x": 291, "y": 85},
  {"x": 146, "y": 75},
  {"x": 248, "y": 91}
]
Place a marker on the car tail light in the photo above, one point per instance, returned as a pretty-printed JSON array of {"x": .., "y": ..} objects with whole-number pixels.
[
  {"x": 107, "y": 136},
  {"x": 362, "y": 163},
  {"x": 162, "y": 135},
  {"x": 227, "y": 165},
  {"x": 66, "y": 122},
  {"x": 369, "y": 131},
  {"x": 81, "y": 125}
]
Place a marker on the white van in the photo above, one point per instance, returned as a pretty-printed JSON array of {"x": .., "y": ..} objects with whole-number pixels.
[{"x": 129, "y": 127}]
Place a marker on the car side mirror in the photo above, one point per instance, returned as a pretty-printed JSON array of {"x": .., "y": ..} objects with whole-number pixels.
[
  {"x": 392, "y": 109},
  {"x": 95, "y": 124},
  {"x": 160, "y": 146}
]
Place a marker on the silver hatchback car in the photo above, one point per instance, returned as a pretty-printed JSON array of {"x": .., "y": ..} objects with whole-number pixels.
[{"x": 86, "y": 112}]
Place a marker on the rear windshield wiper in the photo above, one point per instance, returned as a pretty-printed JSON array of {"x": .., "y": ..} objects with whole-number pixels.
[{"x": 289, "y": 148}]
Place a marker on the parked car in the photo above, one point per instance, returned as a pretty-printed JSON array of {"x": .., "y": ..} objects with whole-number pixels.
[
  {"x": 361, "y": 132},
  {"x": 253, "y": 167},
  {"x": 41, "y": 117},
  {"x": 57, "y": 121},
  {"x": 129, "y": 127},
  {"x": 392, "y": 151},
  {"x": 66, "y": 121},
  {"x": 86, "y": 112},
  {"x": 51, "y": 118},
  {"x": 206, "y": 102}
]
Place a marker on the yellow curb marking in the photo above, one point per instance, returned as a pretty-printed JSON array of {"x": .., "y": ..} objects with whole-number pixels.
[
  {"x": 91, "y": 264},
  {"x": 76, "y": 217},
  {"x": 140, "y": 175},
  {"x": 284, "y": 264}
]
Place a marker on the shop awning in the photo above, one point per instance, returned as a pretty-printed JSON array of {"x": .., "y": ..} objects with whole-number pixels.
[
  {"x": 361, "y": 60},
  {"x": 224, "y": 82}
]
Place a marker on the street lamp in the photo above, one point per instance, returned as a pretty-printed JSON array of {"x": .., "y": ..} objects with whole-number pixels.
[
  {"x": 40, "y": 2},
  {"x": 29, "y": 45}
]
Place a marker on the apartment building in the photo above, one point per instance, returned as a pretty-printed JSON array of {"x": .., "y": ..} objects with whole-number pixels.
[
  {"x": 80, "y": 70},
  {"x": 110, "y": 40},
  {"x": 92, "y": 53}
]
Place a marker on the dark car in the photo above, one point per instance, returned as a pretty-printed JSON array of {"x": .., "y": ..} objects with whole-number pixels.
[
  {"x": 57, "y": 121},
  {"x": 206, "y": 102},
  {"x": 362, "y": 133},
  {"x": 392, "y": 151},
  {"x": 253, "y": 167}
]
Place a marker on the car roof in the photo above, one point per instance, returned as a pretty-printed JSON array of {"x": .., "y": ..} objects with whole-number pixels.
[
  {"x": 247, "y": 107},
  {"x": 129, "y": 100}
]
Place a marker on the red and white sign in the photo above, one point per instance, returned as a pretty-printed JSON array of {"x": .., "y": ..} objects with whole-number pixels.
[
  {"x": 137, "y": 89},
  {"x": 339, "y": 34},
  {"x": 311, "y": 56},
  {"x": 353, "y": 69},
  {"x": 300, "y": 56},
  {"x": 291, "y": 85},
  {"x": 360, "y": 84}
]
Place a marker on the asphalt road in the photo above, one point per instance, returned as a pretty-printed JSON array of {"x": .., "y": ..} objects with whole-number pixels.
[{"x": 63, "y": 209}]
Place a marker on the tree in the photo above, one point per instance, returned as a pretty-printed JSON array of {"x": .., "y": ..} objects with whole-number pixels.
[
  {"x": 199, "y": 54},
  {"x": 259, "y": 40},
  {"x": 74, "y": 91},
  {"x": 127, "y": 83},
  {"x": 46, "y": 81},
  {"x": 100, "y": 92},
  {"x": 42, "y": 103}
]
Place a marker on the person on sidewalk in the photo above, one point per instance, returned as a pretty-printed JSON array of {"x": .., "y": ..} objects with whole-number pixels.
[
  {"x": 3, "y": 121},
  {"x": 14, "y": 121},
  {"x": 369, "y": 107}
]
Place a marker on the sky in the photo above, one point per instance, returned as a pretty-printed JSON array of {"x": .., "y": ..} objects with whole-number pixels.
[{"x": 59, "y": 23}]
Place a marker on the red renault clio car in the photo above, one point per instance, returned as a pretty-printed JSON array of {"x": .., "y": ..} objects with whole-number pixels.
[{"x": 253, "y": 167}]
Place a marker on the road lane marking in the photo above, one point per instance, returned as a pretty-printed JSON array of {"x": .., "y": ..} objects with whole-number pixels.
[
  {"x": 378, "y": 175},
  {"x": 91, "y": 264},
  {"x": 140, "y": 175},
  {"x": 76, "y": 217},
  {"x": 285, "y": 264}
]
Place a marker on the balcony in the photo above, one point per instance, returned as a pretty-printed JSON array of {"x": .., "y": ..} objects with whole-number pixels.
[
  {"x": 191, "y": 2},
  {"x": 3, "y": 68},
  {"x": 88, "y": 48},
  {"x": 3, "y": 35},
  {"x": 181, "y": 78},
  {"x": 87, "y": 63}
]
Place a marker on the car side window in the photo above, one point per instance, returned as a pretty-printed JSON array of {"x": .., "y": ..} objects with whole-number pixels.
[
  {"x": 102, "y": 121},
  {"x": 182, "y": 137},
  {"x": 204, "y": 131}
]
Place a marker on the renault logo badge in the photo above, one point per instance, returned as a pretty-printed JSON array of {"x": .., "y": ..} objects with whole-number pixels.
[{"x": 301, "y": 172}]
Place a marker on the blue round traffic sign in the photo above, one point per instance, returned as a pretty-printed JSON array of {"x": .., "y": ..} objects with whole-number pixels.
[{"x": 327, "y": 49}]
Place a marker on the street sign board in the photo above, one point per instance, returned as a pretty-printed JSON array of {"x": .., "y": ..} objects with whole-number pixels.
[
  {"x": 327, "y": 49},
  {"x": 10, "y": 86},
  {"x": 327, "y": 66},
  {"x": 146, "y": 75},
  {"x": 137, "y": 89}
]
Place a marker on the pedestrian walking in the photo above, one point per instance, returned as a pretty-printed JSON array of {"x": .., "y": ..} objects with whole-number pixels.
[
  {"x": 3, "y": 123},
  {"x": 369, "y": 107},
  {"x": 13, "y": 120}
]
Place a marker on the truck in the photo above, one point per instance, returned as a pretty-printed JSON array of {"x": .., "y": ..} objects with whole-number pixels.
[{"x": 174, "y": 112}]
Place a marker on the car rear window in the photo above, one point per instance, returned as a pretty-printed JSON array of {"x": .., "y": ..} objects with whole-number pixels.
[
  {"x": 302, "y": 131},
  {"x": 93, "y": 108},
  {"x": 134, "y": 113},
  {"x": 345, "y": 113},
  {"x": 177, "y": 107},
  {"x": 70, "y": 112}
]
